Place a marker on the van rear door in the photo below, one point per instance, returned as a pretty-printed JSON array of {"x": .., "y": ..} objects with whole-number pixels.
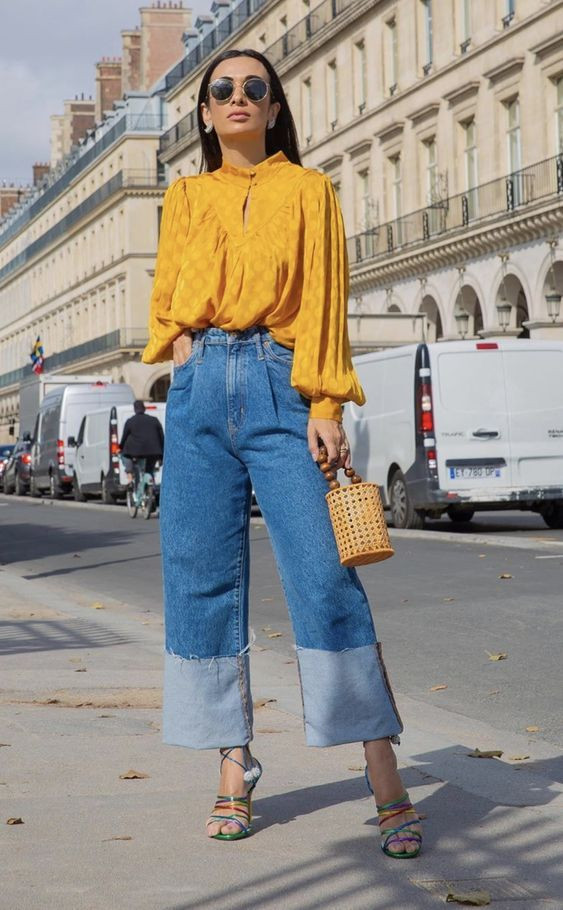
[
  {"x": 470, "y": 414},
  {"x": 534, "y": 384}
]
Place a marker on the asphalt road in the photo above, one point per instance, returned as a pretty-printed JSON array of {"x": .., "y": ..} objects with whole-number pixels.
[{"x": 439, "y": 606}]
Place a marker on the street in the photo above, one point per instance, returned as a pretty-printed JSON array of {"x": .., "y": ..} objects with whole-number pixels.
[{"x": 80, "y": 593}]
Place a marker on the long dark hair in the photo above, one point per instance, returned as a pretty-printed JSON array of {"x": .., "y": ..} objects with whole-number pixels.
[{"x": 282, "y": 137}]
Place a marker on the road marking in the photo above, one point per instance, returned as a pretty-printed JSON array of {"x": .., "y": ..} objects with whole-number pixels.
[{"x": 550, "y": 557}]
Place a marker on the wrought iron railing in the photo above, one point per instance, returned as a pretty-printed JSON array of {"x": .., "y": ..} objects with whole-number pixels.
[
  {"x": 292, "y": 39},
  {"x": 505, "y": 195},
  {"x": 12, "y": 224},
  {"x": 123, "y": 179},
  {"x": 119, "y": 339}
]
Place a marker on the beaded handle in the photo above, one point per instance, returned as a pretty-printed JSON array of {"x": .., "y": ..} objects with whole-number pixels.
[{"x": 330, "y": 473}]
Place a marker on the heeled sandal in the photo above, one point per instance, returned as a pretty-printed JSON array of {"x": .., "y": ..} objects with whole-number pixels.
[
  {"x": 402, "y": 833},
  {"x": 240, "y": 806}
]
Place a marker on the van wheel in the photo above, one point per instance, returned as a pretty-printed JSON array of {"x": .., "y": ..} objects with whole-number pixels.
[
  {"x": 402, "y": 510},
  {"x": 55, "y": 491},
  {"x": 33, "y": 489},
  {"x": 458, "y": 513},
  {"x": 553, "y": 515},
  {"x": 19, "y": 486},
  {"x": 107, "y": 497},
  {"x": 79, "y": 496}
]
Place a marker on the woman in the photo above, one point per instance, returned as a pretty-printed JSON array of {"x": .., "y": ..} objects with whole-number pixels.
[{"x": 249, "y": 300}]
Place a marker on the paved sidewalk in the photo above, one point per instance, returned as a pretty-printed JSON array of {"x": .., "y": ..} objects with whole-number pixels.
[{"x": 80, "y": 706}]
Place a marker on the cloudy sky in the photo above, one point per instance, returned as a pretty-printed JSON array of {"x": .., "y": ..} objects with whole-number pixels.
[{"x": 48, "y": 49}]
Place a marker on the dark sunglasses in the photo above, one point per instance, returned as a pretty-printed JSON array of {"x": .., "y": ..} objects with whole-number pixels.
[{"x": 255, "y": 89}]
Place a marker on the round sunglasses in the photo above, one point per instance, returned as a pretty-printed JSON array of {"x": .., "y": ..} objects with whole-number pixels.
[{"x": 254, "y": 88}]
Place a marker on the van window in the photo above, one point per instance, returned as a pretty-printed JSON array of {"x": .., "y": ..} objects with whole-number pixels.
[
  {"x": 534, "y": 380},
  {"x": 470, "y": 381},
  {"x": 80, "y": 437},
  {"x": 50, "y": 422}
]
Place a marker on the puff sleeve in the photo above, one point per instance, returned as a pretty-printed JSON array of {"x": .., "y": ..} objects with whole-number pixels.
[
  {"x": 174, "y": 227},
  {"x": 322, "y": 364}
]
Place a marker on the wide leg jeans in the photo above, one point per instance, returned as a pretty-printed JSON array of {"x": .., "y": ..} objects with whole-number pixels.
[{"x": 233, "y": 423}]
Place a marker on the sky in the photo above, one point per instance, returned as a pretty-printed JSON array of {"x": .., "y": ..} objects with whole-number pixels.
[{"x": 48, "y": 49}]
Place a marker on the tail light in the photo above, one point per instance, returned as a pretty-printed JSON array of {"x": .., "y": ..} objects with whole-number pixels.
[
  {"x": 114, "y": 444},
  {"x": 60, "y": 452},
  {"x": 426, "y": 416},
  {"x": 426, "y": 419},
  {"x": 431, "y": 459},
  {"x": 26, "y": 458}
]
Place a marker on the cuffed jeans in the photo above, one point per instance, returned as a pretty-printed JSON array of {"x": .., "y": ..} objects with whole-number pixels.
[{"x": 233, "y": 423}]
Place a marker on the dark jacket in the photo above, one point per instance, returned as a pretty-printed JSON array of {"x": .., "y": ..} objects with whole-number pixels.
[{"x": 142, "y": 436}]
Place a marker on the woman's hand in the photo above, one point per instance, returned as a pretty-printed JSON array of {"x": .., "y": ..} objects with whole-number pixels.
[
  {"x": 182, "y": 348},
  {"x": 332, "y": 435}
]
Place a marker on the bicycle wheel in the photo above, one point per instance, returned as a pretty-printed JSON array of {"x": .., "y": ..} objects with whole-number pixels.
[
  {"x": 147, "y": 505},
  {"x": 131, "y": 504}
]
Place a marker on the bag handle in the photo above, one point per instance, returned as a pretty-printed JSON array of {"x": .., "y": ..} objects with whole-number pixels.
[{"x": 330, "y": 472}]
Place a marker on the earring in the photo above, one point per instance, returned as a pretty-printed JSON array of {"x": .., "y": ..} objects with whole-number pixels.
[
  {"x": 209, "y": 128},
  {"x": 271, "y": 124}
]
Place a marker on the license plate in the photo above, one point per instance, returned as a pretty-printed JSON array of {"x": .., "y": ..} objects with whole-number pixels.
[{"x": 475, "y": 472}]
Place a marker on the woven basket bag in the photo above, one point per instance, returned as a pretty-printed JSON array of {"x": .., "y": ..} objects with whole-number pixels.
[{"x": 357, "y": 516}]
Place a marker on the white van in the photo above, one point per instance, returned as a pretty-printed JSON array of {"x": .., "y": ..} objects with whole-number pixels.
[
  {"x": 98, "y": 469},
  {"x": 462, "y": 426},
  {"x": 60, "y": 415}
]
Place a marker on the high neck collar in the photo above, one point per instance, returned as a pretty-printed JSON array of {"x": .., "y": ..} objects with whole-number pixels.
[{"x": 257, "y": 173}]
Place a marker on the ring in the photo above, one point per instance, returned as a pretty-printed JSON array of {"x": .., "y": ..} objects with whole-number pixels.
[{"x": 344, "y": 448}]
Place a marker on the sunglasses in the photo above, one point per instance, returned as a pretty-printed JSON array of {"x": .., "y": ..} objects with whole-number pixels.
[{"x": 254, "y": 88}]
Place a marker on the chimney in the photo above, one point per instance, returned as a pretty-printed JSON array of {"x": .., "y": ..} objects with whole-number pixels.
[
  {"x": 131, "y": 60},
  {"x": 39, "y": 171},
  {"x": 108, "y": 85},
  {"x": 162, "y": 27}
]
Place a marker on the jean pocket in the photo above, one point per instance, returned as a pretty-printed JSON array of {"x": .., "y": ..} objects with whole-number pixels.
[
  {"x": 193, "y": 354},
  {"x": 277, "y": 352}
]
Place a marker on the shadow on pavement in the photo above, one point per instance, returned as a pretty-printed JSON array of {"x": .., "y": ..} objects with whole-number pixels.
[
  {"x": 56, "y": 541},
  {"x": 28, "y": 636}
]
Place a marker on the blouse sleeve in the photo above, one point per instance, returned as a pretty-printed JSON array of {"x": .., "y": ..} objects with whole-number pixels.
[
  {"x": 174, "y": 227},
  {"x": 322, "y": 364}
]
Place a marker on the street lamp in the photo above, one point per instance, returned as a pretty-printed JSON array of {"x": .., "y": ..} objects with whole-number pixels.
[
  {"x": 553, "y": 303},
  {"x": 504, "y": 310},
  {"x": 462, "y": 319}
]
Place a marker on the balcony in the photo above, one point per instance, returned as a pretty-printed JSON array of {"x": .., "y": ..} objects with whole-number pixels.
[
  {"x": 126, "y": 340},
  {"x": 121, "y": 180},
  {"x": 58, "y": 183},
  {"x": 486, "y": 202},
  {"x": 295, "y": 38}
]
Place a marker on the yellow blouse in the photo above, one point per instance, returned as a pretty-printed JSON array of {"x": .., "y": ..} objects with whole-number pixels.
[{"x": 287, "y": 270}]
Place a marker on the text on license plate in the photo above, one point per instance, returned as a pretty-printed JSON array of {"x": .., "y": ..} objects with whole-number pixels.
[{"x": 469, "y": 472}]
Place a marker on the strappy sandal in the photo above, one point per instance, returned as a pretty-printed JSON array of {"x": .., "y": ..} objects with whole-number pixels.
[
  {"x": 239, "y": 806},
  {"x": 402, "y": 833}
]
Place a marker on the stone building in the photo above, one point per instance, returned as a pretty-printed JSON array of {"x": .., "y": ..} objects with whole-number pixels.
[{"x": 440, "y": 123}]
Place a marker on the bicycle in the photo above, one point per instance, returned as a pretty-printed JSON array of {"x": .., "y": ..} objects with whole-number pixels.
[{"x": 142, "y": 498}]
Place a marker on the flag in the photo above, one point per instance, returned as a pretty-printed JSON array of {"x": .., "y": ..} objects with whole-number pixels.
[{"x": 37, "y": 357}]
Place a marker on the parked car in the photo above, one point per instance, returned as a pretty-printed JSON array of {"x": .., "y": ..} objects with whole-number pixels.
[
  {"x": 98, "y": 470},
  {"x": 5, "y": 453},
  {"x": 15, "y": 478},
  {"x": 463, "y": 426},
  {"x": 60, "y": 416}
]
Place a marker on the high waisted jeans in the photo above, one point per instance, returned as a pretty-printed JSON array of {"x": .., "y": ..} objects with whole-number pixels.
[{"x": 233, "y": 422}]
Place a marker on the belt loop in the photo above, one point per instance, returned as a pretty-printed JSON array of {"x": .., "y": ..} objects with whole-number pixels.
[{"x": 258, "y": 341}]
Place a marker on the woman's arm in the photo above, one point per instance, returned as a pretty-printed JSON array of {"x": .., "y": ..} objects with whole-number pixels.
[
  {"x": 322, "y": 367},
  {"x": 174, "y": 227}
]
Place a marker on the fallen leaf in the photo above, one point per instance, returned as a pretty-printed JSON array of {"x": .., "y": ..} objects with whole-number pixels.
[
  {"x": 448, "y": 600},
  {"x": 75, "y": 660},
  {"x": 52, "y": 701},
  {"x": 117, "y": 837},
  {"x": 482, "y": 555},
  {"x": 469, "y": 898},
  {"x": 487, "y": 753},
  {"x": 76, "y": 556},
  {"x": 505, "y": 575},
  {"x": 97, "y": 605},
  {"x": 133, "y": 775},
  {"x": 532, "y": 729},
  {"x": 291, "y": 661},
  {"x": 500, "y": 655},
  {"x": 106, "y": 715},
  {"x": 14, "y": 821},
  {"x": 258, "y": 648},
  {"x": 438, "y": 688},
  {"x": 355, "y": 768},
  {"x": 494, "y": 692},
  {"x": 269, "y": 730},
  {"x": 266, "y": 629},
  {"x": 518, "y": 757},
  {"x": 266, "y": 600},
  {"x": 275, "y": 634},
  {"x": 261, "y": 702},
  {"x": 81, "y": 670},
  {"x": 405, "y": 600},
  {"x": 5, "y": 744}
]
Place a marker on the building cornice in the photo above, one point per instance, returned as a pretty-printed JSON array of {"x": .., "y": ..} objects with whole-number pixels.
[
  {"x": 461, "y": 93},
  {"x": 459, "y": 247},
  {"x": 551, "y": 45},
  {"x": 428, "y": 112},
  {"x": 358, "y": 148},
  {"x": 390, "y": 131},
  {"x": 504, "y": 70}
]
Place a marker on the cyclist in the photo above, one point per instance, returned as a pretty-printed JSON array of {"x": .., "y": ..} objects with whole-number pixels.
[{"x": 142, "y": 437}]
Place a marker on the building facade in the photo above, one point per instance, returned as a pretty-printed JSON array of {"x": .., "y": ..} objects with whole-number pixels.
[{"x": 440, "y": 122}]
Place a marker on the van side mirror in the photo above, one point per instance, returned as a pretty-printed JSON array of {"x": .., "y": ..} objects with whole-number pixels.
[
  {"x": 71, "y": 441},
  {"x": 26, "y": 436}
]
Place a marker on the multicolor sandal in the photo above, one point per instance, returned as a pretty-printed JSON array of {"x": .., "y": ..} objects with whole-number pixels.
[
  {"x": 402, "y": 833},
  {"x": 240, "y": 806}
]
